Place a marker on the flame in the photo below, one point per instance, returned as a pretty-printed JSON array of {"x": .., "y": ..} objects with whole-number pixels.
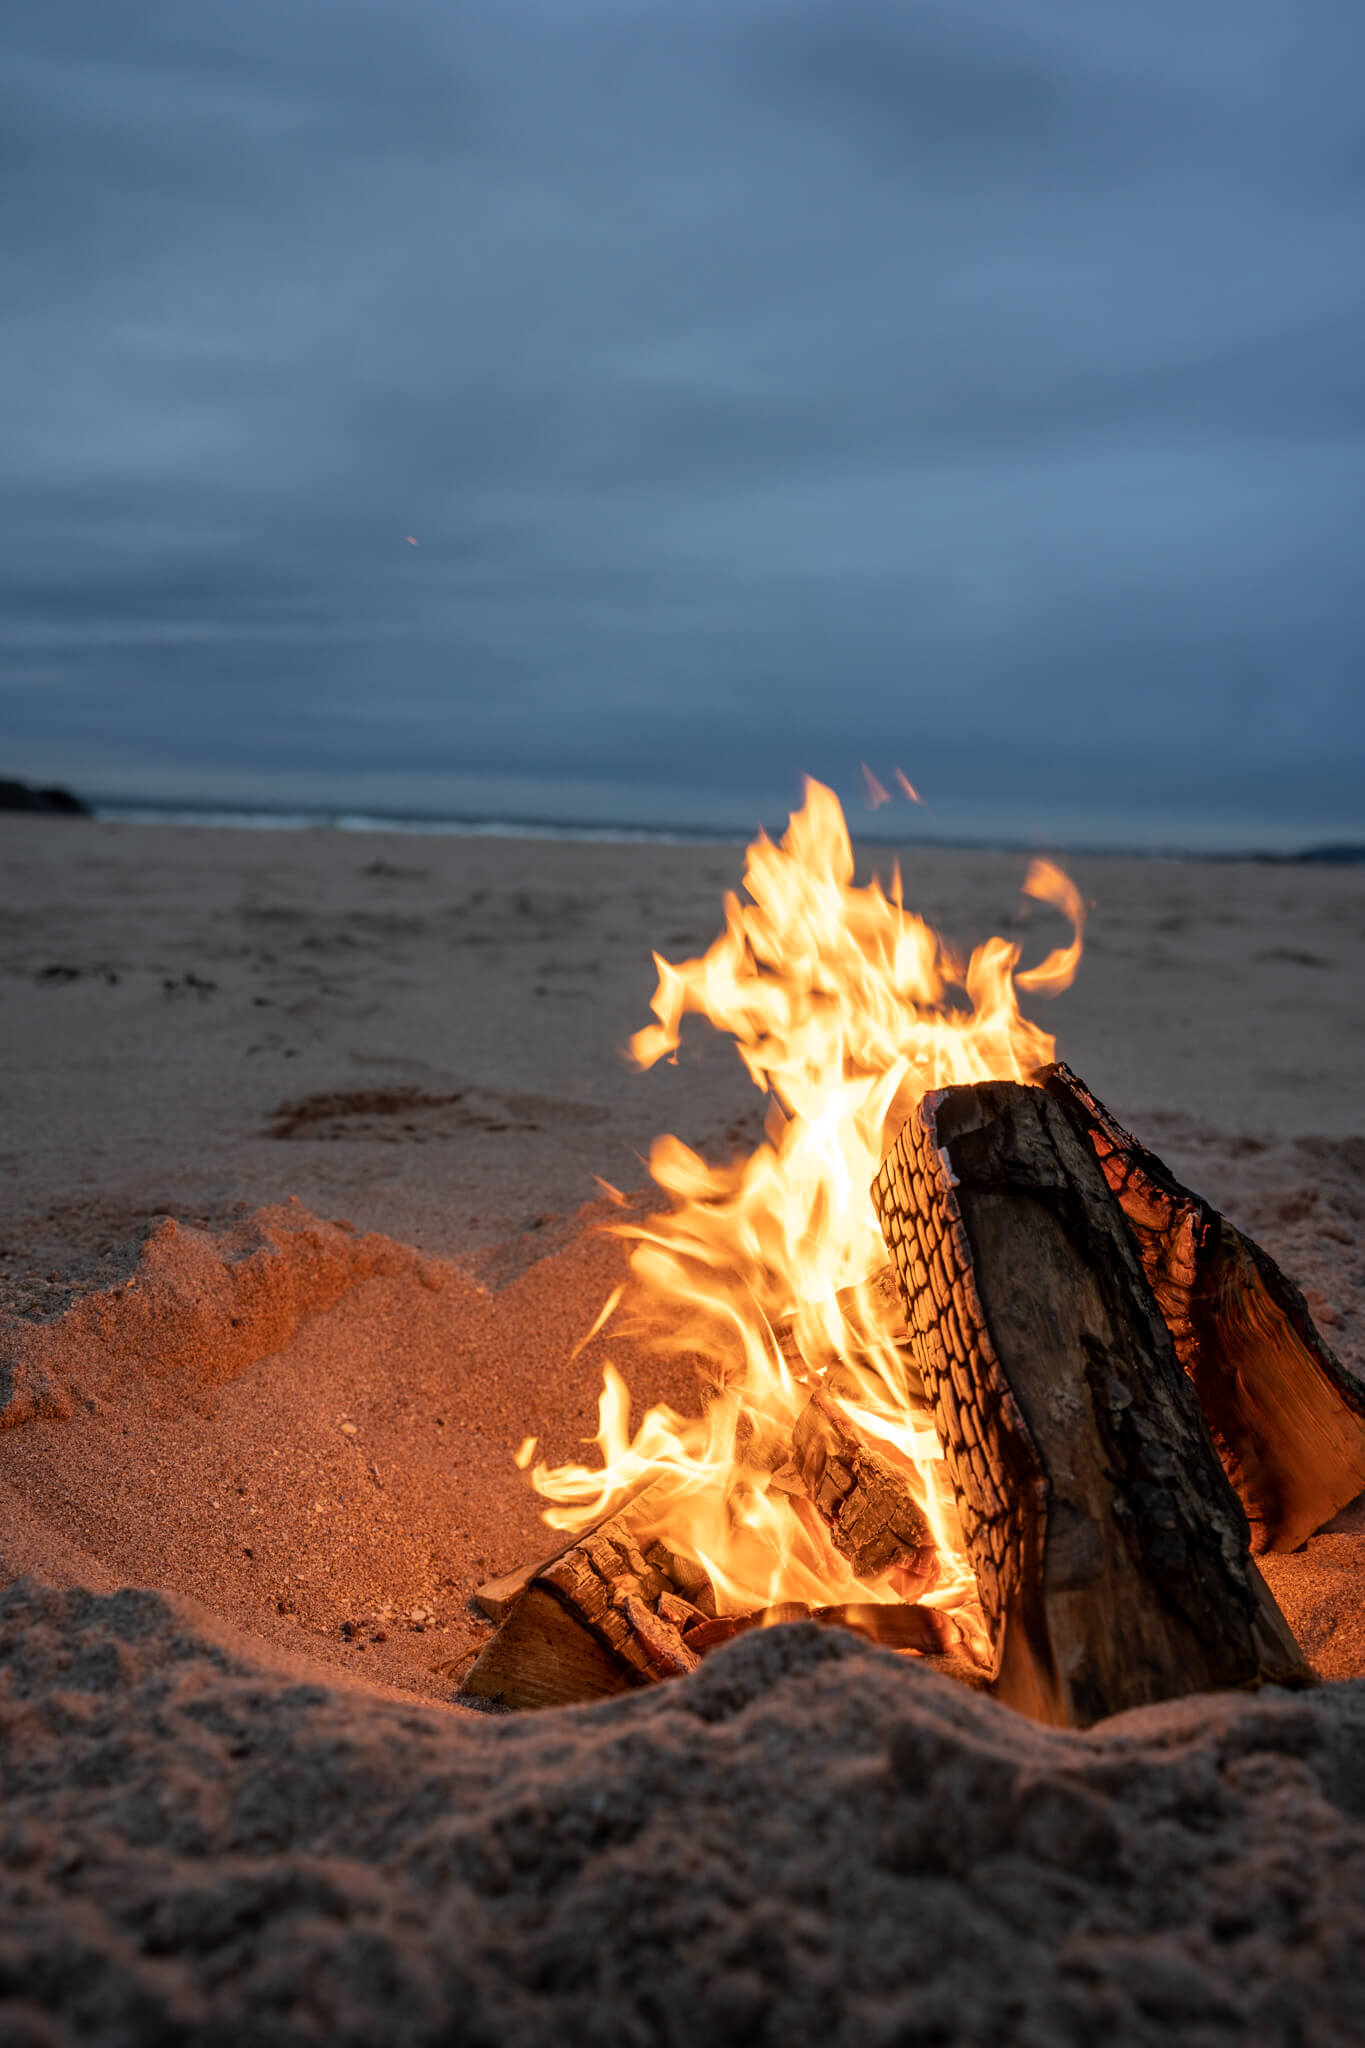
[
  {"x": 877, "y": 792},
  {"x": 1048, "y": 884},
  {"x": 846, "y": 1009}
]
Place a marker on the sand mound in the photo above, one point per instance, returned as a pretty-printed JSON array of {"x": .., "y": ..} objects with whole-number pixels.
[
  {"x": 309, "y": 1430},
  {"x": 806, "y": 1842},
  {"x": 200, "y": 1308}
]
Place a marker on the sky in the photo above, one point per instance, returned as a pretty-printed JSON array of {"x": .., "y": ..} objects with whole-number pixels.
[{"x": 611, "y": 410}]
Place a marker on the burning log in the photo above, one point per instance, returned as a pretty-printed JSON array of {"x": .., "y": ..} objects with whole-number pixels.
[
  {"x": 1287, "y": 1418},
  {"x": 600, "y": 1617},
  {"x": 893, "y": 1626},
  {"x": 1111, "y": 1554},
  {"x": 613, "y": 1609},
  {"x": 863, "y": 1499}
]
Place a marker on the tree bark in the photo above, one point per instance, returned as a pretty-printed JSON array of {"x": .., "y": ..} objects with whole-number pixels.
[
  {"x": 1286, "y": 1416},
  {"x": 1111, "y": 1554}
]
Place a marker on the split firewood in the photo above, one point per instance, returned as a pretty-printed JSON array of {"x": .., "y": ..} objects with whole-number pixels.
[
  {"x": 1111, "y": 1554},
  {"x": 864, "y": 1499},
  {"x": 1286, "y": 1416},
  {"x": 496, "y": 1598},
  {"x": 600, "y": 1617}
]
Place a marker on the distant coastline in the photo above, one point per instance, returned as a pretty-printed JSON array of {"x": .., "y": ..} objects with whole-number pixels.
[
  {"x": 264, "y": 818},
  {"x": 30, "y": 800},
  {"x": 339, "y": 820}
]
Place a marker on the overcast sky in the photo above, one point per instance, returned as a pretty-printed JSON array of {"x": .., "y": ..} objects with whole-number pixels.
[{"x": 768, "y": 386}]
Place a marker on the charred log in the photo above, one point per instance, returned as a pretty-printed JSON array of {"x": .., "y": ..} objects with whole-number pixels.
[
  {"x": 1111, "y": 1554},
  {"x": 1288, "y": 1419},
  {"x": 926, "y": 1633},
  {"x": 864, "y": 1500},
  {"x": 616, "y": 1608}
]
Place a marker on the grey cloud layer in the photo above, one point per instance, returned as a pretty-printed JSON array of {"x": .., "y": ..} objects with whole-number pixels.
[{"x": 767, "y": 385}]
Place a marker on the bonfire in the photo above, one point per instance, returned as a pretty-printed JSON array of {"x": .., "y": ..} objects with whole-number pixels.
[{"x": 978, "y": 1377}]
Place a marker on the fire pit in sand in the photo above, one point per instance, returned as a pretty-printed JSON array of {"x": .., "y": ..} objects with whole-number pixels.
[{"x": 980, "y": 1379}]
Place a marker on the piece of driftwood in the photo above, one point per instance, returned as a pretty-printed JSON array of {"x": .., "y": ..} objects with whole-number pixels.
[
  {"x": 601, "y": 1617},
  {"x": 864, "y": 1500},
  {"x": 1288, "y": 1419},
  {"x": 1111, "y": 1554}
]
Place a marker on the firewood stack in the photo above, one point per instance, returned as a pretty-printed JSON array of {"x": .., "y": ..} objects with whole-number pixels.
[{"x": 1130, "y": 1397}]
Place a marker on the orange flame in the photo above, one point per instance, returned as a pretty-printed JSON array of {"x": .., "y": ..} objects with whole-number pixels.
[
  {"x": 877, "y": 792},
  {"x": 846, "y": 1009}
]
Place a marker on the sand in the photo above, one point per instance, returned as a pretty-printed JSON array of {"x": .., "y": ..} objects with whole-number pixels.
[{"x": 299, "y": 1227}]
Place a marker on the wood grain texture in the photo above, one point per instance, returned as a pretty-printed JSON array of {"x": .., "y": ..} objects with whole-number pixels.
[{"x": 543, "y": 1656}]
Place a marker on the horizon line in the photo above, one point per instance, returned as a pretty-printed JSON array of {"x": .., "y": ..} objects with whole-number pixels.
[{"x": 358, "y": 818}]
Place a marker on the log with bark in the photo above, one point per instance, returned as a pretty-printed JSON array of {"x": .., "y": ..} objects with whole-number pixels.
[
  {"x": 1111, "y": 1554},
  {"x": 1286, "y": 1416}
]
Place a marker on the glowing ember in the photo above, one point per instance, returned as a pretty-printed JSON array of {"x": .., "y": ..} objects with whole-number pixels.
[{"x": 846, "y": 1009}]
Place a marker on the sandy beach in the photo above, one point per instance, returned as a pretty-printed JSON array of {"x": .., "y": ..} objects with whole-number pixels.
[{"x": 309, "y": 1141}]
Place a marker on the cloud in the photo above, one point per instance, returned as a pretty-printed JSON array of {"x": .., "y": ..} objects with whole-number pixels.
[{"x": 771, "y": 385}]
